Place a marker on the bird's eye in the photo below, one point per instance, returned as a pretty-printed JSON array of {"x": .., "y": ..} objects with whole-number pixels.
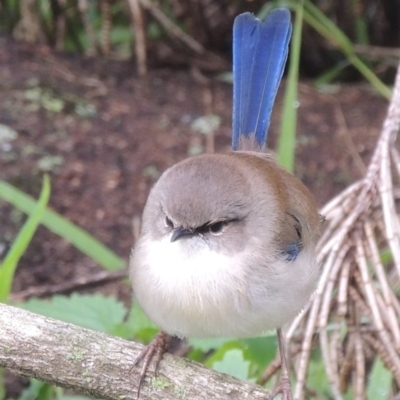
[
  {"x": 216, "y": 228},
  {"x": 169, "y": 223}
]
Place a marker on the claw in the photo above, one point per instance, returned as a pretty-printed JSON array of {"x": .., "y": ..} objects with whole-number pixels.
[
  {"x": 156, "y": 347},
  {"x": 284, "y": 385},
  {"x": 283, "y": 388}
]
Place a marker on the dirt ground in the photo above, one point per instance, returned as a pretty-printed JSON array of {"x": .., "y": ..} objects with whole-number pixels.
[{"x": 105, "y": 135}]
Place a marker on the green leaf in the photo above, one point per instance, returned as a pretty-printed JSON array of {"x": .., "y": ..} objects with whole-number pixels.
[
  {"x": 380, "y": 380},
  {"x": 40, "y": 390},
  {"x": 328, "y": 76},
  {"x": 138, "y": 325},
  {"x": 220, "y": 352},
  {"x": 386, "y": 256},
  {"x": 121, "y": 34},
  {"x": 317, "y": 378},
  {"x": 325, "y": 27},
  {"x": 74, "y": 398},
  {"x": 287, "y": 135},
  {"x": 206, "y": 345},
  {"x": 21, "y": 242},
  {"x": 2, "y": 388},
  {"x": 233, "y": 363},
  {"x": 64, "y": 228},
  {"x": 95, "y": 312},
  {"x": 261, "y": 350}
]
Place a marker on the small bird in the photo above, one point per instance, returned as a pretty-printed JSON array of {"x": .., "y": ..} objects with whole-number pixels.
[{"x": 228, "y": 241}]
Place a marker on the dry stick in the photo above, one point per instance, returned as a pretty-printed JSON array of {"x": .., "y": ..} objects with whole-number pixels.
[
  {"x": 172, "y": 28},
  {"x": 271, "y": 370},
  {"x": 389, "y": 210},
  {"x": 105, "y": 27},
  {"x": 347, "y": 365},
  {"x": 341, "y": 311},
  {"x": 343, "y": 286},
  {"x": 140, "y": 37},
  {"x": 333, "y": 224},
  {"x": 312, "y": 316},
  {"x": 60, "y": 26},
  {"x": 335, "y": 243},
  {"x": 378, "y": 348},
  {"x": 337, "y": 201},
  {"x": 99, "y": 278},
  {"x": 396, "y": 158},
  {"x": 357, "y": 299},
  {"x": 395, "y": 302},
  {"x": 306, "y": 346},
  {"x": 376, "y": 318},
  {"x": 384, "y": 312},
  {"x": 376, "y": 52},
  {"x": 359, "y": 390},
  {"x": 331, "y": 371},
  {"x": 65, "y": 73},
  {"x": 276, "y": 364},
  {"x": 380, "y": 273},
  {"x": 349, "y": 144},
  {"x": 330, "y": 285},
  {"x": 329, "y": 248},
  {"x": 390, "y": 129},
  {"x": 295, "y": 325},
  {"x": 337, "y": 356}
]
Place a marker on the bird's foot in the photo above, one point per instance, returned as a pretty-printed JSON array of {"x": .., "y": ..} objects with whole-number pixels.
[
  {"x": 284, "y": 389},
  {"x": 284, "y": 385},
  {"x": 155, "y": 348}
]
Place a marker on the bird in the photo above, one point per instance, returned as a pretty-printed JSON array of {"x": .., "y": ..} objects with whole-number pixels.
[{"x": 227, "y": 246}]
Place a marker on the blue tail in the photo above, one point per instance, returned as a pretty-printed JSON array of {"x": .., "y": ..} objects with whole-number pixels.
[{"x": 259, "y": 55}]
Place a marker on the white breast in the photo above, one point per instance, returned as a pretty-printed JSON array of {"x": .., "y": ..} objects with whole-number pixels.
[{"x": 190, "y": 290}]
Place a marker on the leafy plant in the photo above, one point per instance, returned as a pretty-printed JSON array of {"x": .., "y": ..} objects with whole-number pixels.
[
  {"x": 91, "y": 311},
  {"x": 81, "y": 239},
  {"x": 326, "y": 28},
  {"x": 287, "y": 136},
  {"x": 21, "y": 242}
]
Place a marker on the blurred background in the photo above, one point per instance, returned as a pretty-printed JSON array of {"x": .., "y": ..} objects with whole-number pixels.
[
  {"x": 181, "y": 33},
  {"x": 104, "y": 95}
]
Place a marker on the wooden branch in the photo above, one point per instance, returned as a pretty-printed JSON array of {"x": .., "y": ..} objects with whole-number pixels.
[{"x": 99, "y": 365}]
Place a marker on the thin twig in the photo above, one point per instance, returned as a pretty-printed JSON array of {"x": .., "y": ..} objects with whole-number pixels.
[
  {"x": 356, "y": 291},
  {"x": 140, "y": 37},
  {"x": 84, "y": 282},
  {"x": 172, "y": 28}
]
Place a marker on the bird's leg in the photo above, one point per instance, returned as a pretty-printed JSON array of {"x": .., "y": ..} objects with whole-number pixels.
[
  {"x": 284, "y": 385},
  {"x": 155, "y": 348}
]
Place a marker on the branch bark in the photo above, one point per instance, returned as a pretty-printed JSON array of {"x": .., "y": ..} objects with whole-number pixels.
[{"x": 98, "y": 365}]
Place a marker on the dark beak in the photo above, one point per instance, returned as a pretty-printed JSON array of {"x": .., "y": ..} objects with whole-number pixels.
[{"x": 180, "y": 232}]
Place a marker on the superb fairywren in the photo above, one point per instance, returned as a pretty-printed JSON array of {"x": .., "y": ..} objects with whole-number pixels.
[{"x": 227, "y": 246}]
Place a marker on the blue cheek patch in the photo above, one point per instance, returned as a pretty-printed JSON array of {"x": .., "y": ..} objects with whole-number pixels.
[{"x": 292, "y": 251}]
